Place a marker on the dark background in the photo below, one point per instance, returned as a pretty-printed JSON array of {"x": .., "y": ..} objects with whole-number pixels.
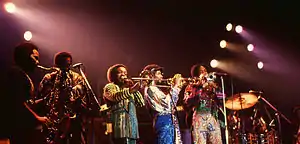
[{"x": 173, "y": 34}]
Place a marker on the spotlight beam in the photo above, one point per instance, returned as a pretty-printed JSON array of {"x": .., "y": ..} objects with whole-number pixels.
[
  {"x": 238, "y": 29},
  {"x": 27, "y": 35},
  {"x": 223, "y": 44},
  {"x": 260, "y": 65},
  {"x": 214, "y": 63},
  {"x": 10, "y": 7}
]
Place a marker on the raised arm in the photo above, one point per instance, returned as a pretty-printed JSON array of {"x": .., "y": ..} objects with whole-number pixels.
[
  {"x": 190, "y": 97},
  {"x": 175, "y": 94},
  {"x": 113, "y": 93},
  {"x": 154, "y": 95},
  {"x": 79, "y": 91}
]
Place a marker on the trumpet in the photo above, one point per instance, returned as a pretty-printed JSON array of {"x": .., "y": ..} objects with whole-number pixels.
[
  {"x": 169, "y": 81},
  {"x": 211, "y": 76},
  {"x": 184, "y": 81},
  {"x": 144, "y": 79}
]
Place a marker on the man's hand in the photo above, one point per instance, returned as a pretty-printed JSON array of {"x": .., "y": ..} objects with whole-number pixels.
[
  {"x": 189, "y": 88},
  {"x": 42, "y": 119},
  {"x": 135, "y": 87},
  {"x": 178, "y": 82}
]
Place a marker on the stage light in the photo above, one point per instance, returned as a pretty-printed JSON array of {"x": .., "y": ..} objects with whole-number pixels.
[
  {"x": 229, "y": 27},
  {"x": 260, "y": 65},
  {"x": 214, "y": 63},
  {"x": 223, "y": 44},
  {"x": 239, "y": 29},
  {"x": 27, "y": 35},
  {"x": 10, "y": 7},
  {"x": 250, "y": 47}
]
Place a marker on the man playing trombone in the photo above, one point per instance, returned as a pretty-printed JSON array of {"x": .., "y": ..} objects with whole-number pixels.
[{"x": 161, "y": 103}]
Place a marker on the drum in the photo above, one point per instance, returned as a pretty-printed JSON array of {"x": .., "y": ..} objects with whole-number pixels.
[
  {"x": 252, "y": 138},
  {"x": 248, "y": 138},
  {"x": 272, "y": 137}
]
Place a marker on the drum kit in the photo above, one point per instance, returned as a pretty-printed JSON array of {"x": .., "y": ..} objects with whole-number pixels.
[{"x": 250, "y": 122}]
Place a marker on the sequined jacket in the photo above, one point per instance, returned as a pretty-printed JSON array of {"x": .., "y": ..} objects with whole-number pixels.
[
  {"x": 73, "y": 86},
  {"x": 200, "y": 101},
  {"x": 123, "y": 110},
  {"x": 65, "y": 96}
]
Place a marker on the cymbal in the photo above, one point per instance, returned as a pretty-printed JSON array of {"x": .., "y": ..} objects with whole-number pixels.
[{"x": 241, "y": 101}]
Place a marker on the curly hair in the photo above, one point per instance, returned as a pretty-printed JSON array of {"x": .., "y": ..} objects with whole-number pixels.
[
  {"x": 152, "y": 68},
  {"x": 112, "y": 73},
  {"x": 195, "y": 70},
  {"x": 60, "y": 57},
  {"x": 22, "y": 53}
]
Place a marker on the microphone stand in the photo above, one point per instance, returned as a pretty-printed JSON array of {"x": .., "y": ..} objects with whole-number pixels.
[
  {"x": 224, "y": 110},
  {"x": 89, "y": 86},
  {"x": 277, "y": 114},
  {"x": 94, "y": 97},
  {"x": 176, "y": 115}
]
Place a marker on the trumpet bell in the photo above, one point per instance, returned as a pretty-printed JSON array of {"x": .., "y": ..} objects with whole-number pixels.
[{"x": 211, "y": 77}]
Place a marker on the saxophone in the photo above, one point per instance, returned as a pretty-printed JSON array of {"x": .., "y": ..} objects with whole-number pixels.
[{"x": 60, "y": 112}]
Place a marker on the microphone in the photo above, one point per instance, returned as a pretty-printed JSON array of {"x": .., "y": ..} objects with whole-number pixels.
[
  {"x": 252, "y": 91},
  {"x": 77, "y": 65},
  {"x": 219, "y": 73}
]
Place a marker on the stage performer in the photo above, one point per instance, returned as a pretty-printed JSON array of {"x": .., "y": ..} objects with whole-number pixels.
[
  {"x": 65, "y": 101},
  {"x": 19, "y": 120},
  {"x": 201, "y": 96},
  {"x": 122, "y": 96},
  {"x": 161, "y": 102}
]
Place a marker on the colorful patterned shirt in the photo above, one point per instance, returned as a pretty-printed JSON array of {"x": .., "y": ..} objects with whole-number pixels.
[
  {"x": 159, "y": 101},
  {"x": 123, "y": 110}
]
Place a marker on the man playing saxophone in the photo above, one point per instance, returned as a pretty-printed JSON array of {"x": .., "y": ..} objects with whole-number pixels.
[
  {"x": 122, "y": 95},
  {"x": 161, "y": 103},
  {"x": 19, "y": 119},
  {"x": 65, "y": 94}
]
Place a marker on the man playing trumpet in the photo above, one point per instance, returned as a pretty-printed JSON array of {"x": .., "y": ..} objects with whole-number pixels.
[
  {"x": 200, "y": 97},
  {"x": 161, "y": 105},
  {"x": 123, "y": 97}
]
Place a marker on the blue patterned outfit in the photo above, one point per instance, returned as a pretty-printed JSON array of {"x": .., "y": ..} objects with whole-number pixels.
[{"x": 165, "y": 122}]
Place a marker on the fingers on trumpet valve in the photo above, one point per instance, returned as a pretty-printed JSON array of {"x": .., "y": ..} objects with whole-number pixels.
[
  {"x": 182, "y": 81},
  {"x": 188, "y": 80}
]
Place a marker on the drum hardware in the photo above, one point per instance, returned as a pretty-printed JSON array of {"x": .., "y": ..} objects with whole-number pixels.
[
  {"x": 262, "y": 132},
  {"x": 238, "y": 102},
  {"x": 241, "y": 101},
  {"x": 278, "y": 114}
]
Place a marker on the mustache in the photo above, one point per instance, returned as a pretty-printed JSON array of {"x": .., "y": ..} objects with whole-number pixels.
[{"x": 123, "y": 78}]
